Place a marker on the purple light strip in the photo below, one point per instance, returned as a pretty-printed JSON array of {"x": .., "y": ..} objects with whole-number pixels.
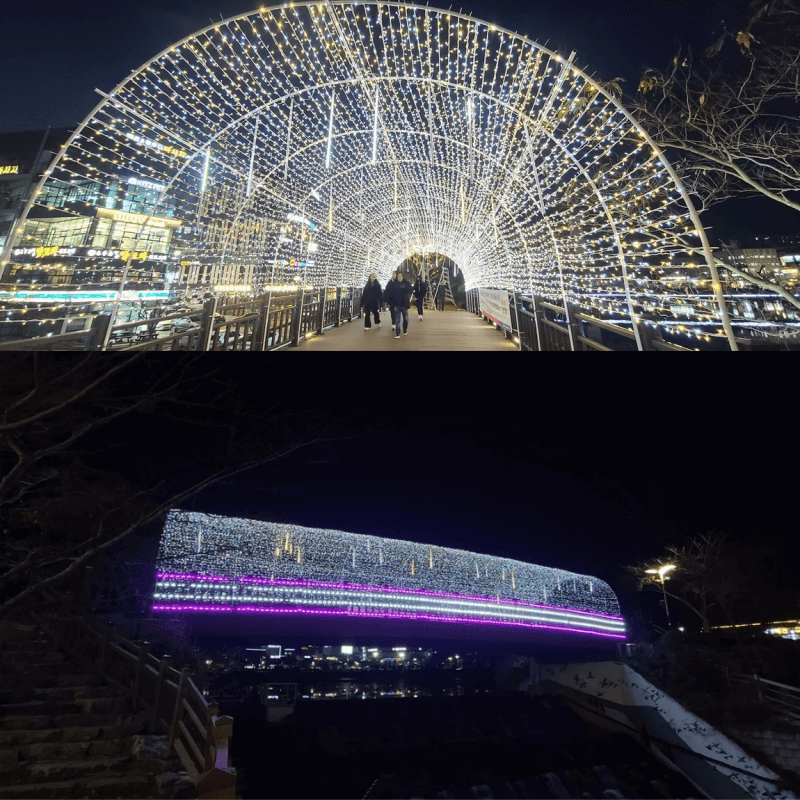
[
  {"x": 355, "y": 587},
  {"x": 378, "y": 615}
]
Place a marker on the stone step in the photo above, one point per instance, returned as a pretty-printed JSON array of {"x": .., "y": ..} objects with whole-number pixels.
[
  {"x": 73, "y": 677},
  {"x": 28, "y": 722},
  {"x": 69, "y": 751},
  {"x": 73, "y": 734},
  {"x": 130, "y": 786},
  {"x": 37, "y": 643},
  {"x": 74, "y": 720},
  {"x": 75, "y": 769},
  {"x": 40, "y": 668},
  {"x": 25, "y": 694},
  {"x": 38, "y": 708},
  {"x": 44, "y": 656},
  {"x": 57, "y": 790}
]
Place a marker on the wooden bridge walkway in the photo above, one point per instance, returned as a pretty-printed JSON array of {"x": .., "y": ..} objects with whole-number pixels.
[{"x": 450, "y": 329}]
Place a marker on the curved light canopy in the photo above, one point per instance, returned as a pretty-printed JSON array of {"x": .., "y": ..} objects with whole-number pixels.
[{"x": 319, "y": 142}]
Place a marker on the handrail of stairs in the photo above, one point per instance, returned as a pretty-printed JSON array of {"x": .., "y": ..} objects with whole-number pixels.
[
  {"x": 783, "y": 698},
  {"x": 165, "y": 698}
]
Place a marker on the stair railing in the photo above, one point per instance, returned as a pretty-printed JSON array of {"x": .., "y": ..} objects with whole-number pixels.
[{"x": 164, "y": 698}]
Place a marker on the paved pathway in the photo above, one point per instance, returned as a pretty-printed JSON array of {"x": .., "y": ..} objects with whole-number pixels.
[{"x": 439, "y": 330}]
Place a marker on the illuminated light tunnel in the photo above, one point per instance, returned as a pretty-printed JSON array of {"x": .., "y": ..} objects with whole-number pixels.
[
  {"x": 320, "y": 142},
  {"x": 227, "y": 565}
]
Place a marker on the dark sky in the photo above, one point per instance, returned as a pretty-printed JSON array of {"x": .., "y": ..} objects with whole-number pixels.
[{"x": 56, "y": 53}]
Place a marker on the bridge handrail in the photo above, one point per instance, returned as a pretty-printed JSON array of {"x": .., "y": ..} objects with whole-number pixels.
[
  {"x": 312, "y": 312},
  {"x": 150, "y": 682},
  {"x": 536, "y": 331},
  {"x": 782, "y": 697}
]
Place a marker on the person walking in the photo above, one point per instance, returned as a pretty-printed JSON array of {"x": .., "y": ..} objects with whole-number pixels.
[
  {"x": 386, "y": 300},
  {"x": 439, "y": 297},
  {"x": 371, "y": 299},
  {"x": 420, "y": 290},
  {"x": 401, "y": 300}
]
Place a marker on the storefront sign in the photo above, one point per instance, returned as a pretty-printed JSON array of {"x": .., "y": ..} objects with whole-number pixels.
[
  {"x": 233, "y": 287},
  {"x": 10, "y": 170},
  {"x": 164, "y": 148},
  {"x": 86, "y": 252},
  {"x": 158, "y": 187},
  {"x": 494, "y": 304},
  {"x": 138, "y": 219}
]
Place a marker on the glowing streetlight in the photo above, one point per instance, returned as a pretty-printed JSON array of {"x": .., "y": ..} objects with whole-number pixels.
[{"x": 661, "y": 572}]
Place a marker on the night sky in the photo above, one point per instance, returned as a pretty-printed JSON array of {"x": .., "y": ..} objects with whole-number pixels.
[
  {"x": 56, "y": 53},
  {"x": 568, "y": 473}
]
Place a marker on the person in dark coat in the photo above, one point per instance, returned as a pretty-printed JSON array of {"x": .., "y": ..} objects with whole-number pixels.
[
  {"x": 401, "y": 300},
  {"x": 388, "y": 305},
  {"x": 440, "y": 294},
  {"x": 420, "y": 290},
  {"x": 371, "y": 299}
]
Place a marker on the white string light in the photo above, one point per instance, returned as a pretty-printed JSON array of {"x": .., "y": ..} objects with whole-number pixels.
[
  {"x": 420, "y": 130},
  {"x": 212, "y": 563}
]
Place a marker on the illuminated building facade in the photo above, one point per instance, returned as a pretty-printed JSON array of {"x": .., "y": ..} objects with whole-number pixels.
[{"x": 225, "y": 565}]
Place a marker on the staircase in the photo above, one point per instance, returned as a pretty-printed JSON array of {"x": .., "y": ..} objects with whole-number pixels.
[{"x": 64, "y": 733}]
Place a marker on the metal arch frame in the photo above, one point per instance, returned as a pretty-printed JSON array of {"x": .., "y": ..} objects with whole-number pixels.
[{"x": 472, "y": 22}]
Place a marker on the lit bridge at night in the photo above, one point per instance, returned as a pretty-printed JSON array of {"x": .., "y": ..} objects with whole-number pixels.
[
  {"x": 277, "y": 158},
  {"x": 263, "y": 572}
]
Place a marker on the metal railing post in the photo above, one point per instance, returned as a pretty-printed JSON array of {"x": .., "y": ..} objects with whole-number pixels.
[
  {"x": 321, "y": 315},
  {"x": 178, "y": 710},
  {"x": 338, "y": 306},
  {"x": 262, "y": 325},
  {"x": 144, "y": 649},
  {"x": 162, "y": 667},
  {"x": 574, "y": 326},
  {"x": 211, "y": 741},
  {"x": 537, "y": 315},
  {"x": 98, "y": 331},
  {"x": 297, "y": 313},
  {"x": 206, "y": 325}
]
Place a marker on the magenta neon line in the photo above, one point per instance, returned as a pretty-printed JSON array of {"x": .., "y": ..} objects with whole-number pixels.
[
  {"x": 379, "y": 615},
  {"x": 356, "y": 587}
]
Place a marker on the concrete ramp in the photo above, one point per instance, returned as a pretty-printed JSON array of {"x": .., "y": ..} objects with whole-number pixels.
[{"x": 612, "y": 695}]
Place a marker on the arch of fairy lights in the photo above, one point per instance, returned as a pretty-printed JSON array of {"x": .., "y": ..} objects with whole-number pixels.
[
  {"x": 398, "y": 129},
  {"x": 229, "y": 565}
]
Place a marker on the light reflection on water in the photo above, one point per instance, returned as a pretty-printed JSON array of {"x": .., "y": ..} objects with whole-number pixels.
[{"x": 358, "y": 690}]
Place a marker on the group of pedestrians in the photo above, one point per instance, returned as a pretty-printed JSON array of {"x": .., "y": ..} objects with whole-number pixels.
[{"x": 396, "y": 296}]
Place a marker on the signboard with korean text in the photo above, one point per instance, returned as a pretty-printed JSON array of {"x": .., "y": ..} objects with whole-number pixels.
[{"x": 494, "y": 305}]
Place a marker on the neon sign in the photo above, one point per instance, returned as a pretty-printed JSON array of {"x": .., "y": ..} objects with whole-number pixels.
[
  {"x": 164, "y": 148},
  {"x": 128, "y": 216},
  {"x": 158, "y": 187},
  {"x": 9, "y": 170}
]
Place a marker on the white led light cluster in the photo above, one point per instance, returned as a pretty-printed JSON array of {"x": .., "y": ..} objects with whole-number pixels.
[
  {"x": 394, "y": 129},
  {"x": 212, "y": 563}
]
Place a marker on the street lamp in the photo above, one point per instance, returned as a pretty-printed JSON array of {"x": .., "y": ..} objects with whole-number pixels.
[{"x": 661, "y": 572}]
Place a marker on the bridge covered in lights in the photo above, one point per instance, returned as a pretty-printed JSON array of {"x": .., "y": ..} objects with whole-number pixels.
[
  {"x": 271, "y": 573},
  {"x": 315, "y": 143}
]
